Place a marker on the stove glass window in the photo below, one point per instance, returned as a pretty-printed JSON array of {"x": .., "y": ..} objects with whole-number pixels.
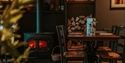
[
  {"x": 32, "y": 44},
  {"x": 42, "y": 44}
]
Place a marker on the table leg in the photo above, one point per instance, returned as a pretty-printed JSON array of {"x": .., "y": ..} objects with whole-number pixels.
[
  {"x": 91, "y": 52},
  {"x": 115, "y": 44}
]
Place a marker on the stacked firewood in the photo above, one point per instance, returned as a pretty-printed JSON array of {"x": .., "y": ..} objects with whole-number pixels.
[{"x": 77, "y": 24}]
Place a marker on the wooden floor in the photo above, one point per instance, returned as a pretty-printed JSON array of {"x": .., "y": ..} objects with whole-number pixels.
[
  {"x": 81, "y": 62},
  {"x": 51, "y": 61}
]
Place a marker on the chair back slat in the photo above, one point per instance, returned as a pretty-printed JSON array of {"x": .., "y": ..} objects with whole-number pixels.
[
  {"x": 61, "y": 37},
  {"x": 114, "y": 29},
  {"x": 119, "y": 30}
]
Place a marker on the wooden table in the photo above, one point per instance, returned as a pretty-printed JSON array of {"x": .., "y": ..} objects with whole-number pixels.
[
  {"x": 97, "y": 37},
  {"x": 89, "y": 39}
]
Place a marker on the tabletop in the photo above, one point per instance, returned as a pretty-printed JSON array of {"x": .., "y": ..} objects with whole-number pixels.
[{"x": 97, "y": 37}]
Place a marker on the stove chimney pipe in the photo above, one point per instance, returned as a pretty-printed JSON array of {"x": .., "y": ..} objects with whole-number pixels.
[{"x": 37, "y": 16}]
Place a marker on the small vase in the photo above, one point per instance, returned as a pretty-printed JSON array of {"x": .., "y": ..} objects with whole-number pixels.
[{"x": 93, "y": 31}]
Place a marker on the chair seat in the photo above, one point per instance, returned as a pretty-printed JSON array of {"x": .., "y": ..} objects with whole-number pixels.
[
  {"x": 109, "y": 55},
  {"x": 76, "y": 48},
  {"x": 74, "y": 54},
  {"x": 104, "y": 48}
]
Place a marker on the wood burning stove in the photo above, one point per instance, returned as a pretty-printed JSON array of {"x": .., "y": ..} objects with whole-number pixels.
[{"x": 41, "y": 43}]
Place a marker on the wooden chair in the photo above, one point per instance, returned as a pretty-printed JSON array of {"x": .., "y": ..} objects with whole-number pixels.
[
  {"x": 114, "y": 30},
  {"x": 110, "y": 47},
  {"x": 113, "y": 56},
  {"x": 68, "y": 55}
]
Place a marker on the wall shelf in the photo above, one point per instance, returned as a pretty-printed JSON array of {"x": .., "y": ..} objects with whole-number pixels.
[
  {"x": 53, "y": 11},
  {"x": 30, "y": 12},
  {"x": 84, "y": 2}
]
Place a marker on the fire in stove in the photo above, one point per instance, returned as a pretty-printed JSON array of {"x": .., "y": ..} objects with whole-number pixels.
[
  {"x": 32, "y": 44},
  {"x": 42, "y": 44}
]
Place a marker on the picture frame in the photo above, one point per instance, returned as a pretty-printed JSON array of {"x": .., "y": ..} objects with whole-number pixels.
[{"x": 117, "y": 4}]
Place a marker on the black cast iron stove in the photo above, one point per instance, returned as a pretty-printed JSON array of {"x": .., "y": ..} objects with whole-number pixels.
[{"x": 41, "y": 43}]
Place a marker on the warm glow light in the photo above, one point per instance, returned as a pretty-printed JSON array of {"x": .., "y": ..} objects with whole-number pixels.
[
  {"x": 42, "y": 44},
  {"x": 32, "y": 44}
]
